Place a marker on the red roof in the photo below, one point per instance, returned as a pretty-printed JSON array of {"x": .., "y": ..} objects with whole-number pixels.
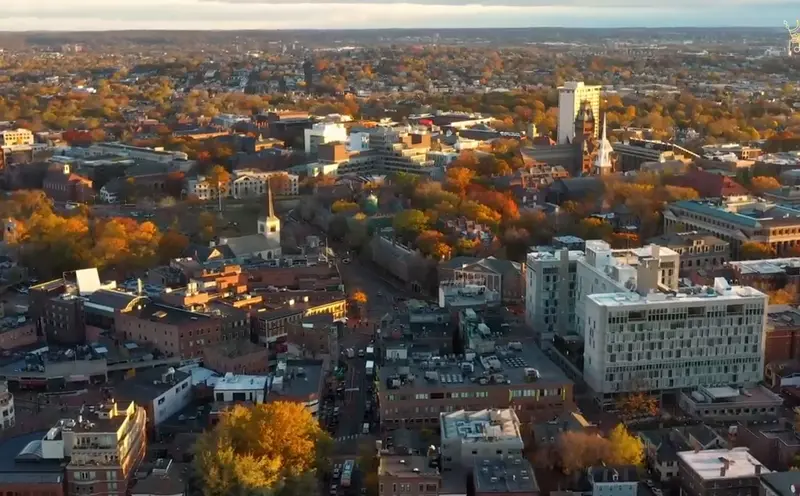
[{"x": 709, "y": 185}]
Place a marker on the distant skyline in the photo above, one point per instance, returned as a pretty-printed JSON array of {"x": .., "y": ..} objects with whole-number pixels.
[{"x": 100, "y": 15}]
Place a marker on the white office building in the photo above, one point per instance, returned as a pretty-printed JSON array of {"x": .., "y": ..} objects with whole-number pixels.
[
  {"x": 469, "y": 436},
  {"x": 603, "y": 270},
  {"x": 250, "y": 388},
  {"x": 570, "y": 98},
  {"x": 701, "y": 336},
  {"x": 324, "y": 132},
  {"x": 550, "y": 292}
]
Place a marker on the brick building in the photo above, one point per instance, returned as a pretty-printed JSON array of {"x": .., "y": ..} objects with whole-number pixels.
[
  {"x": 782, "y": 341},
  {"x": 174, "y": 331},
  {"x": 719, "y": 472},
  {"x": 409, "y": 475}
]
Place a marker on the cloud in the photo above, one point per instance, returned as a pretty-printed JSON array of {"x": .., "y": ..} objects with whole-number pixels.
[{"x": 97, "y": 15}]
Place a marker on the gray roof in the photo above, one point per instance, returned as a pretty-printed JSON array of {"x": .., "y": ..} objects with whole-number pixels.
[
  {"x": 504, "y": 476},
  {"x": 622, "y": 473},
  {"x": 146, "y": 385},
  {"x": 166, "y": 314},
  {"x": 458, "y": 262},
  {"x": 112, "y": 299},
  {"x": 29, "y": 471},
  {"x": 249, "y": 245},
  {"x": 782, "y": 482}
]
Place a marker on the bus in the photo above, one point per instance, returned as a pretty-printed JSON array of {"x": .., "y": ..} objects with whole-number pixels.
[
  {"x": 347, "y": 473},
  {"x": 370, "y": 368}
]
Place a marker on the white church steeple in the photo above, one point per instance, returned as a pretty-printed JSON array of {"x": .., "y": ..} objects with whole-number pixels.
[
  {"x": 602, "y": 163},
  {"x": 270, "y": 225}
]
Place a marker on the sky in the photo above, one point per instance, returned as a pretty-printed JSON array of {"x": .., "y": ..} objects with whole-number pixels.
[{"x": 99, "y": 15}]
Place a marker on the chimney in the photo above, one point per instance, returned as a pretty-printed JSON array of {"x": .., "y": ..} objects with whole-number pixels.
[
  {"x": 758, "y": 469},
  {"x": 722, "y": 471}
]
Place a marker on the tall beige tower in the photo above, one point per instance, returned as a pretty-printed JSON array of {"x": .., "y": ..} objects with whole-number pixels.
[
  {"x": 270, "y": 225},
  {"x": 570, "y": 99}
]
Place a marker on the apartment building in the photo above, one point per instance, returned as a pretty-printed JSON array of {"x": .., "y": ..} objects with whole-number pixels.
[
  {"x": 720, "y": 472},
  {"x": 738, "y": 220},
  {"x": 105, "y": 444},
  {"x": 666, "y": 341},
  {"x": 409, "y": 475},
  {"x": 16, "y": 137},
  {"x": 782, "y": 342},
  {"x": 571, "y": 97},
  {"x": 698, "y": 251},
  {"x": 613, "y": 480},
  {"x": 603, "y": 270},
  {"x": 661, "y": 446},
  {"x": 550, "y": 287},
  {"x": 417, "y": 383},
  {"x": 23, "y": 472},
  {"x": 775, "y": 444},
  {"x": 321, "y": 133},
  {"x": 467, "y": 437}
]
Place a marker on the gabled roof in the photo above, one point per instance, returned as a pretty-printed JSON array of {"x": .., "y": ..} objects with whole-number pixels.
[{"x": 243, "y": 246}]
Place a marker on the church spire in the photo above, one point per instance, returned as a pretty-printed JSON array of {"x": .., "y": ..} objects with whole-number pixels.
[
  {"x": 603, "y": 163},
  {"x": 270, "y": 206}
]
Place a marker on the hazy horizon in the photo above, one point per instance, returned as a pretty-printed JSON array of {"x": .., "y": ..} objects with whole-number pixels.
[{"x": 231, "y": 15}]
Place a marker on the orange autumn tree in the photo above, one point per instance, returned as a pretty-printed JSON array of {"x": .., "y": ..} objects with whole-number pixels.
[{"x": 257, "y": 449}]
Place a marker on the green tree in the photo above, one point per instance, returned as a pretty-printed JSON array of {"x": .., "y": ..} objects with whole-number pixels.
[{"x": 409, "y": 223}]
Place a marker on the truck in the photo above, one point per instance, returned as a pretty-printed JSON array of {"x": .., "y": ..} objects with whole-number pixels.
[
  {"x": 370, "y": 352},
  {"x": 347, "y": 473},
  {"x": 370, "y": 368}
]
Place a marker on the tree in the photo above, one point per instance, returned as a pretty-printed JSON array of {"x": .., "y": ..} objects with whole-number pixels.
[
  {"x": 751, "y": 250},
  {"x": 441, "y": 251},
  {"x": 359, "y": 297},
  {"x": 206, "y": 226},
  {"x": 781, "y": 297},
  {"x": 458, "y": 178},
  {"x": 410, "y": 223},
  {"x": 594, "y": 228},
  {"x": 624, "y": 447},
  {"x": 637, "y": 404},
  {"x": 761, "y": 184},
  {"x": 340, "y": 206},
  {"x": 678, "y": 193},
  {"x": 578, "y": 450},
  {"x": 219, "y": 178},
  {"x": 172, "y": 245},
  {"x": 426, "y": 241},
  {"x": 260, "y": 448}
]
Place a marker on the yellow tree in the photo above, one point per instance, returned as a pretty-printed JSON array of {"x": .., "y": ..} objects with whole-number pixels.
[
  {"x": 764, "y": 183},
  {"x": 220, "y": 178},
  {"x": 624, "y": 447},
  {"x": 258, "y": 448},
  {"x": 752, "y": 250},
  {"x": 359, "y": 297}
]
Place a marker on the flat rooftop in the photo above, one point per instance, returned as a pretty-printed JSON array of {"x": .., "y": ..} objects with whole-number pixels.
[
  {"x": 406, "y": 466},
  {"x": 168, "y": 315},
  {"x": 300, "y": 379},
  {"x": 746, "y": 211},
  {"x": 233, "y": 382},
  {"x": 734, "y": 396},
  {"x": 504, "y": 476},
  {"x": 695, "y": 295},
  {"x": 708, "y": 464},
  {"x": 504, "y": 366},
  {"x": 149, "y": 384},
  {"x": 772, "y": 266},
  {"x": 483, "y": 425}
]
